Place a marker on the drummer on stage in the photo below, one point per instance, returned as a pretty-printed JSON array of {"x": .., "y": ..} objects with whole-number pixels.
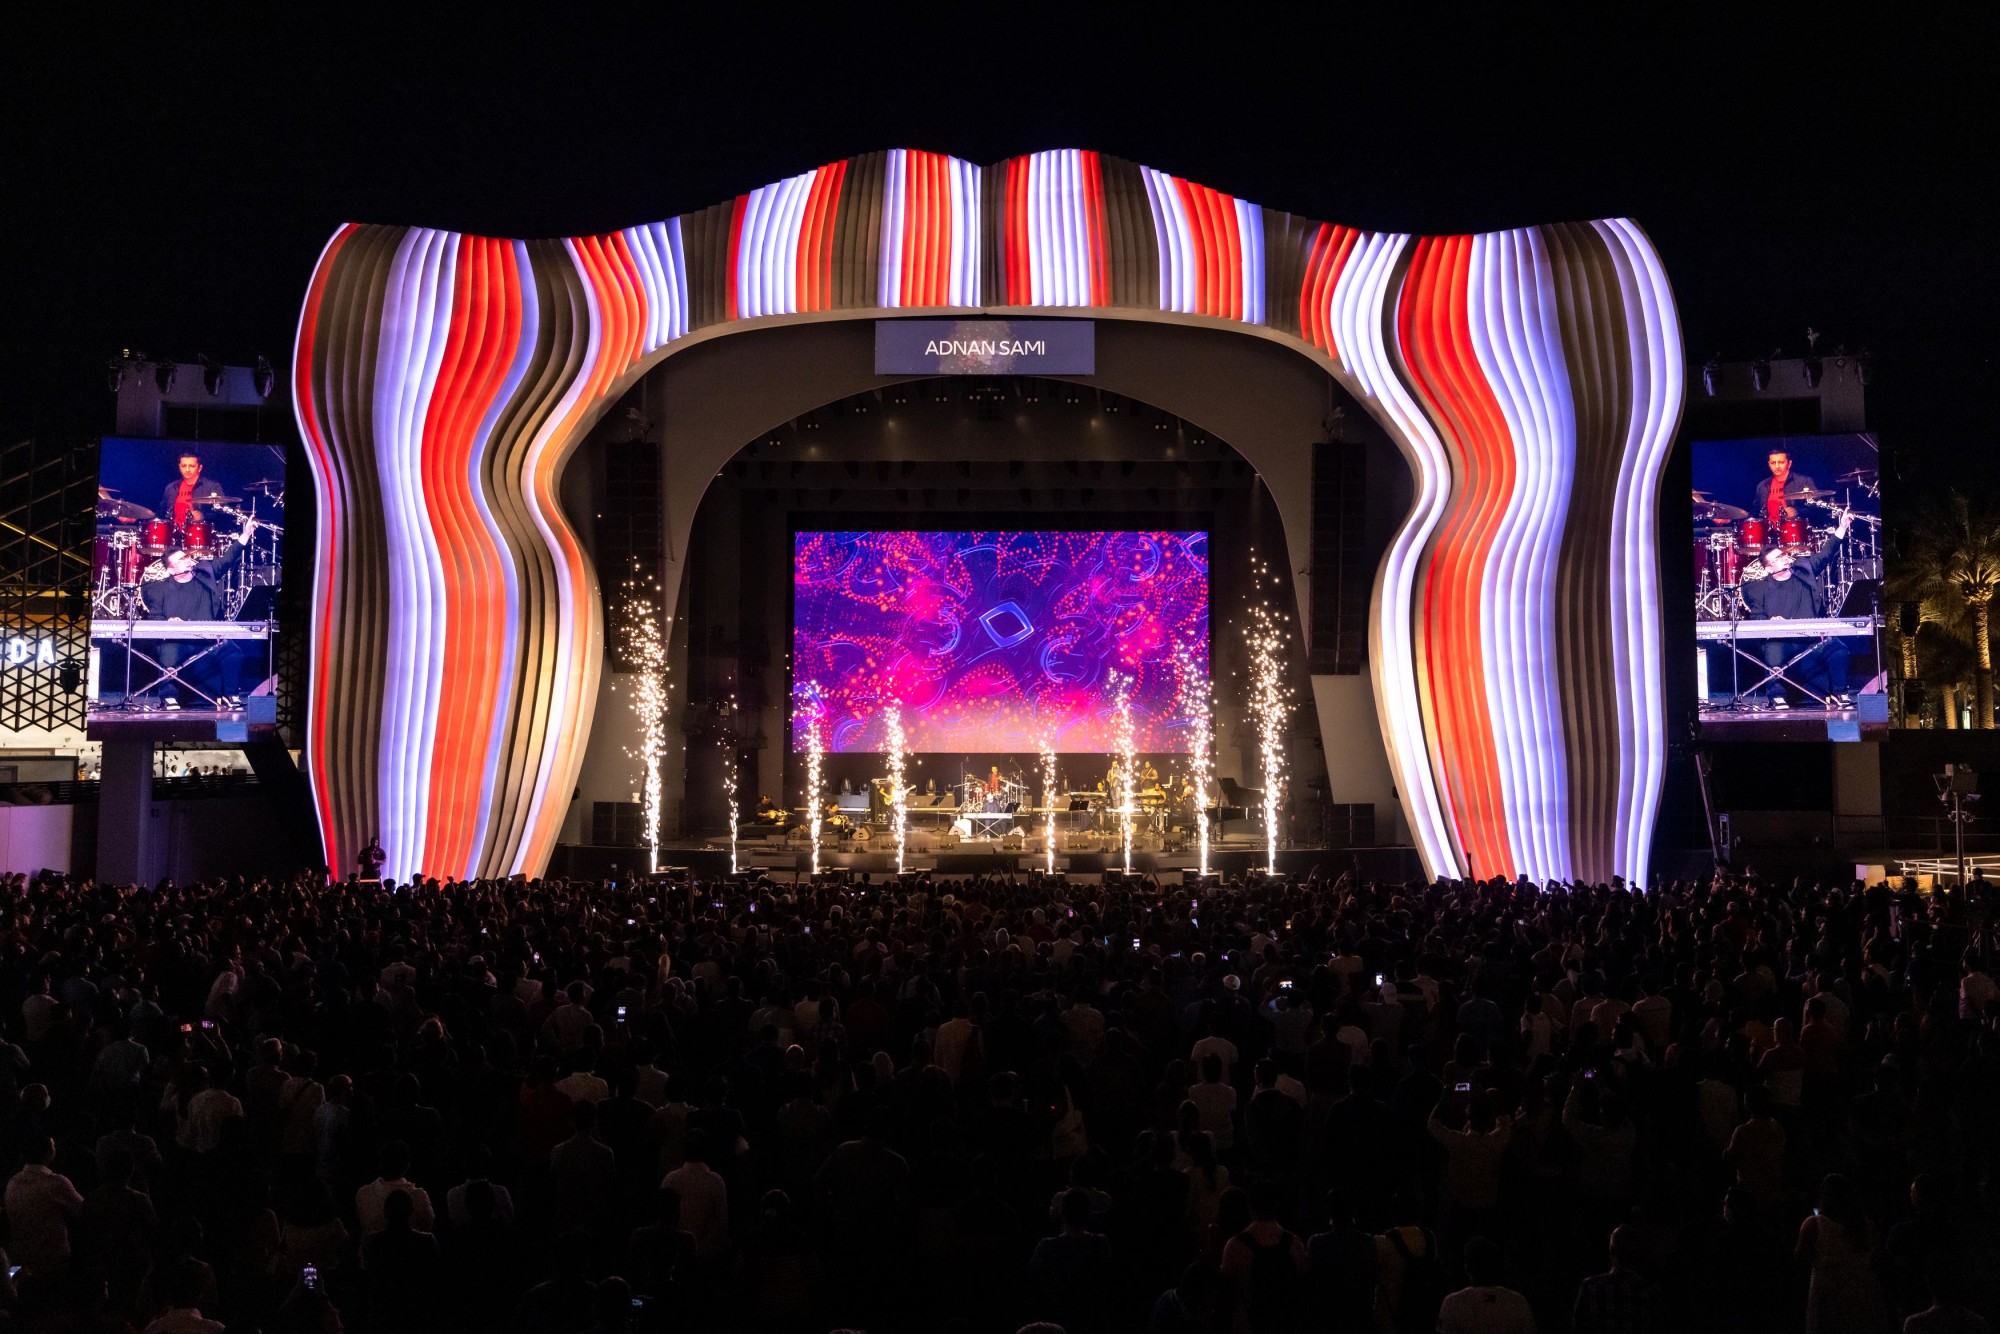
[
  {"x": 1776, "y": 492},
  {"x": 181, "y": 502},
  {"x": 1791, "y": 591}
]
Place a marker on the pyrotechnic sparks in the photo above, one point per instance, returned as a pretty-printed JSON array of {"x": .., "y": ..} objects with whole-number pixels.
[
  {"x": 899, "y": 797},
  {"x": 645, "y": 653},
  {"x": 729, "y": 781},
  {"x": 815, "y": 764},
  {"x": 1197, "y": 707},
  {"x": 1121, "y": 728},
  {"x": 1270, "y": 708},
  {"x": 1048, "y": 806}
]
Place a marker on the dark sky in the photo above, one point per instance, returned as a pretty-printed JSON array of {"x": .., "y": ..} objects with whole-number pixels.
[{"x": 171, "y": 173}]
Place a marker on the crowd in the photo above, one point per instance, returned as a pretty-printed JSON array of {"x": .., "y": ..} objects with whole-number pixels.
[{"x": 982, "y": 1103}]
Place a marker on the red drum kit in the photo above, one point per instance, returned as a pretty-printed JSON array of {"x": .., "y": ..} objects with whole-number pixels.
[
  {"x": 1731, "y": 545},
  {"x": 132, "y": 543}
]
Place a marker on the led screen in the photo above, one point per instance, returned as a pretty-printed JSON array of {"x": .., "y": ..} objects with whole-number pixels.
[
  {"x": 1788, "y": 593},
  {"x": 999, "y": 641},
  {"x": 184, "y": 585}
]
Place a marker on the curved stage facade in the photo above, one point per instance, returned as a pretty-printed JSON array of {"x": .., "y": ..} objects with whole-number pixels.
[{"x": 1532, "y": 380}]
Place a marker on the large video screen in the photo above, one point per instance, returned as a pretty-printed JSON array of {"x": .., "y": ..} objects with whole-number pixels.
[
  {"x": 999, "y": 641},
  {"x": 190, "y": 543},
  {"x": 1788, "y": 588}
]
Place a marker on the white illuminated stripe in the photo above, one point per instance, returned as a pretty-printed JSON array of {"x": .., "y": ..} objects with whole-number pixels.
[
  {"x": 1250, "y": 240},
  {"x": 656, "y": 250},
  {"x": 553, "y": 435},
  {"x": 1537, "y": 331},
  {"x": 1518, "y": 582},
  {"x": 965, "y": 199},
  {"x": 1364, "y": 309},
  {"x": 1659, "y": 381},
  {"x": 893, "y": 178},
  {"x": 1179, "y": 277},
  {"x": 412, "y": 342},
  {"x": 1058, "y": 230}
]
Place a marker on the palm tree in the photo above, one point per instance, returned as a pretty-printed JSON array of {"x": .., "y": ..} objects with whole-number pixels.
[{"x": 1953, "y": 566}]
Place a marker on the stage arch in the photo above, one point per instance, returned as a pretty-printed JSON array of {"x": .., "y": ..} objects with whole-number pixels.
[{"x": 1532, "y": 380}]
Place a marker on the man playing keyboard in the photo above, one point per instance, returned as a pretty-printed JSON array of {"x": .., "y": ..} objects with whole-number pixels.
[
  {"x": 192, "y": 591},
  {"x": 1791, "y": 591}
]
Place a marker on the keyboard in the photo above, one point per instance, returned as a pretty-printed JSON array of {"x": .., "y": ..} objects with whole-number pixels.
[
  {"x": 103, "y": 629},
  {"x": 1814, "y": 627}
]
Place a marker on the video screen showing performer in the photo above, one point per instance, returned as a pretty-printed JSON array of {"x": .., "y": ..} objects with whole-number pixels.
[
  {"x": 1788, "y": 587},
  {"x": 184, "y": 583}
]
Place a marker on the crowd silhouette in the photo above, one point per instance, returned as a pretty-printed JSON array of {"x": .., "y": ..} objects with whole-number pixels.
[{"x": 983, "y": 1104}]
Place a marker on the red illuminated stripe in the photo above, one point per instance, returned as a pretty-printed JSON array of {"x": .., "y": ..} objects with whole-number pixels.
[
  {"x": 486, "y": 321},
  {"x": 731, "y": 277},
  {"x": 1330, "y": 248},
  {"x": 330, "y": 516},
  {"x": 1020, "y": 269},
  {"x": 815, "y": 262},
  {"x": 1437, "y": 348},
  {"x": 1099, "y": 239}
]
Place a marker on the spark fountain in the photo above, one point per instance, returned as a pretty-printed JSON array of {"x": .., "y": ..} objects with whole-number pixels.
[
  {"x": 1049, "y": 807},
  {"x": 899, "y": 797},
  {"x": 1270, "y": 706},
  {"x": 1199, "y": 710},
  {"x": 645, "y": 649},
  {"x": 1127, "y": 752},
  {"x": 815, "y": 768},
  {"x": 729, "y": 781}
]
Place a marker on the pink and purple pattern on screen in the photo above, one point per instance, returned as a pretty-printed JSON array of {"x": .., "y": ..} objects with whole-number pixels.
[{"x": 998, "y": 641}]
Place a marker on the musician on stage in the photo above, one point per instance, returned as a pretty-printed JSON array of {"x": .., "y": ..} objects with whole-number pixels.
[
  {"x": 1775, "y": 493},
  {"x": 181, "y": 502},
  {"x": 192, "y": 591},
  {"x": 1791, "y": 591}
]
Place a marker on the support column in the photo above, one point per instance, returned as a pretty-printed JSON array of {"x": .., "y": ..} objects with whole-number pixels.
[{"x": 125, "y": 854}]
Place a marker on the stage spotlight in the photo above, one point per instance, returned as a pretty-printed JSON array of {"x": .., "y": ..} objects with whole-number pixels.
[
  {"x": 1030, "y": 394},
  {"x": 1162, "y": 423},
  {"x": 1864, "y": 367},
  {"x": 164, "y": 375},
  {"x": 114, "y": 375},
  {"x": 1760, "y": 372},
  {"x": 861, "y": 407},
  {"x": 211, "y": 373},
  {"x": 1111, "y": 404},
  {"x": 941, "y": 394},
  {"x": 264, "y": 378},
  {"x": 811, "y": 423},
  {"x": 1711, "y": 373},
  {"x": 1814, "y": 369},
  {"x": 898, "y": 396},
  {"x": 1072, "y": 397},
  {"x": 1197, "y": 439}
]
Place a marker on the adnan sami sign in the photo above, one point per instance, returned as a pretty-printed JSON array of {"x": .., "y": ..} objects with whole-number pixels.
[{"x": 985, "y": 347}]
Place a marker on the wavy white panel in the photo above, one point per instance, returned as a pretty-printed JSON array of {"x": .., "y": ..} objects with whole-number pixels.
[
  {"x": 1058, "y": 230},
  {"x": 1530, "y": 383},
  {"x": 1180, "y": 278},
  {"x": 656, "y": 251},
  {"x": 1363, "y": 315},
  {"x": 1250, "y": 242},
  {"x": 965, "y": 225},
  {"x": 415, "y": 328},
  {"x": 1658, "y": 384},
  {"x": 895, "y": 185},
  {"x": 767, "y": 251}
]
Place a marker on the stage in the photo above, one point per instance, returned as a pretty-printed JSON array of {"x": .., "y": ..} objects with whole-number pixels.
[{"x": 1233, "y": 858}]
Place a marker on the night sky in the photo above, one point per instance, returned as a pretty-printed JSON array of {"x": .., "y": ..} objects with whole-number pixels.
[{"x": 171, "y": 173}]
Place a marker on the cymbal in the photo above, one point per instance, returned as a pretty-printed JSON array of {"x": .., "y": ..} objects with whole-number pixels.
[
  {"x": 269, "y": 486},
  {"x": 218, "y": 500},
  {"x": 1700, "y": 497},
  {"x": 1720, "y": 513},
  {"x": 107, "y": 492},
  {"x": 1859, "y": 475},
  {"x": 122, "y": 511},
  {"x": 1810, "y": 493}
]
